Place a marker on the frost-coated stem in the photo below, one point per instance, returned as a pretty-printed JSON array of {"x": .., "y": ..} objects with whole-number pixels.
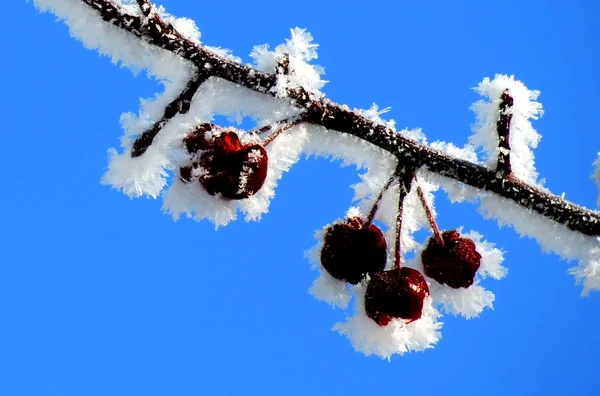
[
  {"x": 180, "y": 105},
  {"x": 373, "y": 211},
  {"x": 284, "y": 128},
  {"x": 336, "y": 117},
  {"x": 503, "y": 128},
  {"x": 434, "y": 227},
  {"x": 405, "y": 177}
]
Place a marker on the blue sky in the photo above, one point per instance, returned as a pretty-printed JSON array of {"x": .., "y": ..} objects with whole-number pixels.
[{"x": 103, "y": 295}]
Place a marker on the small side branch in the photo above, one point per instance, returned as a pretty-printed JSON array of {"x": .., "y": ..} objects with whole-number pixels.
[
  {"x": 158, "y": 31},
  {"x": 180, "y": 105},
  {"x": 503, "y": 128},
  {"x": 434, "y": 227},
  {"x": 373, "y": 211}
]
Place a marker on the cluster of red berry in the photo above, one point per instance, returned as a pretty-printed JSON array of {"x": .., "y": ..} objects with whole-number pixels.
[{"x": 356, "y": 249}]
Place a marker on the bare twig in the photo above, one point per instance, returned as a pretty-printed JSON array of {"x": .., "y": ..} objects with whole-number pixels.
[
  {"x": 180, "y": 105},
  {"x": 373, "y": 211}
]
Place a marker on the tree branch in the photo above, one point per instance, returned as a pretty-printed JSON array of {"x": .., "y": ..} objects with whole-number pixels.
[
  {"x": 335, "y": 117},
  {"x": 180, "y": 105}
]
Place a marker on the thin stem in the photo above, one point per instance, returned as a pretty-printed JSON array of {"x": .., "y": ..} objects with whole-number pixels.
[
  {"x": 180, "y": 105},
  {"x": 405, "y": 182},
  {"x": 430, "y": 217},
  {"x": 284, "y": 128},
  {"x": 268, "y": 127},
  {"x": 373, "y": 211},
  {"x": 503, "y": 166},
  {"x": 397, "y": 248}
]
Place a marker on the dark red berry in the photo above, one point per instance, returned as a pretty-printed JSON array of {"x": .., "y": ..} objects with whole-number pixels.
[
  {"x": 227, "y": 167},
  {"x": 453, "y": 264},
  {"x": 197, "y": 140},
  {"x": 350, "y": 251},
  {"x": 392, "y": 295}
]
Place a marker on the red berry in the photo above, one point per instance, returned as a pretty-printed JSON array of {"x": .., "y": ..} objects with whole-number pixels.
[
  {"x": 229, "y": 168},
  {"x": 453, "y": 264},
  {"x": 391, "y": 295},
  {"x": 351, "y": 251}
]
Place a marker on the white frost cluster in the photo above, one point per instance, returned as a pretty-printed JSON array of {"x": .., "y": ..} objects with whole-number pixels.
[
  {"x": 398, "y": 337},
  {"x": 326, "y": 288},
  {"x": 551, "y": 236},
  {"x": 523, "y": 137},
  {"x": 301, "y": 50},
  {"x": 122, "y": 47}
]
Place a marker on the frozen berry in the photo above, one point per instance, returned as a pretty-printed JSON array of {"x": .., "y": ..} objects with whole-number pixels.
[
  {"x": 225, "y": 165},
  {"x": 392, "y": 295},
  {"x": 197, "y": 140},
  {"x": 350, "y": 251},
  {"x": 453, "y": 264}
]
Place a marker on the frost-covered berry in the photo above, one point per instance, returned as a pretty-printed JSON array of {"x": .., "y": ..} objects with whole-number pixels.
[
  {"x": 197, "y": 140},
  {"x": 350, "y": 250},
  {"x": 225, "y": 165},
  {"x": 392, "y": 294},
  {"x": 455, "y": 263}
]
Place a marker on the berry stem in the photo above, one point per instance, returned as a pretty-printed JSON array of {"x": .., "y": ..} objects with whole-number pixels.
[
  {"x": 373, "y": 211},
  {"x": 278, "y": 132},
  {"x": 430, "y": 217},
  {"x": 405, "y": 183}
]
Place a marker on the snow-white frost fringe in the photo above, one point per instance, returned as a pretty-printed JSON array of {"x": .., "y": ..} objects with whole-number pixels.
[
  {"x": 587, "y": 272},
  {"x": 551, "y": 236},
  {"x": 522, "y": 135},
  {"x": 397, "y": 337},
  {"x": 326, "y": 288},
  {"x": 471, "y": 301},
  {"x": 140, "y": 176},
  {"x": 301, "y": 50}
]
